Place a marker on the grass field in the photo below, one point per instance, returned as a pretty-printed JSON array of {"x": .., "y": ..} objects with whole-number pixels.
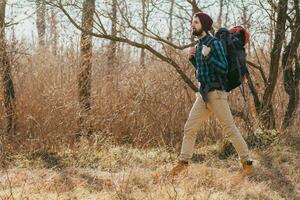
[{"x": 106, "y": 171}]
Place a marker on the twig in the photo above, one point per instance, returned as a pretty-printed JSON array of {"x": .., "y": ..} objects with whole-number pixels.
[{"x": 10, "y": 186}]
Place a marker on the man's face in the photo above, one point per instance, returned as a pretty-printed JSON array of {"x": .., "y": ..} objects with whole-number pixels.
[{"x": 196, "y": 27}]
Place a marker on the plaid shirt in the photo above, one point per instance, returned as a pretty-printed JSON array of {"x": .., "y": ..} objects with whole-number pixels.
[{"x": 214, "y": 68}]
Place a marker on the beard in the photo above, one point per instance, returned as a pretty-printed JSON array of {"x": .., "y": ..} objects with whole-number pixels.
[{"x": 196, "y": 32}]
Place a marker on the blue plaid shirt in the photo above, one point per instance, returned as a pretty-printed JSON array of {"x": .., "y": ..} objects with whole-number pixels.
[{"x": 213, "y": 68}]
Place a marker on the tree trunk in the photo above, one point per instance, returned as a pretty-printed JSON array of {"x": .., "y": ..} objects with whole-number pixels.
[
  {"x": 219, "y": 19},
  {"x": 40, "y": 21},
  {"x": 142, "y": 57},
  {"x": 54, "y": 34},
  {"x": 226, "y": 18},
  {"x": 253, "y": 92},
  {"x": 170, "y": 36},
  {"x": 246, "y": 23},
  {"x": 267, "y": 113},
  {"x": 195, "y": 7},
  {"x": 84, "y": 76},
  {"x": 272, "y": 27},
  {"x": 291, "y": 82},
  {"x": 8, "y": 86},
  {"x": 113, "y": 44},
  {"x": 290, "y": 76},
  {"x": 112, "y": 74}
]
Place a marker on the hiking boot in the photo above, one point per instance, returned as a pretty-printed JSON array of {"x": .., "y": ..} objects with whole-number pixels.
[
  {"x": 180, "y": 167},
  {"x": 247, "y": 168}
]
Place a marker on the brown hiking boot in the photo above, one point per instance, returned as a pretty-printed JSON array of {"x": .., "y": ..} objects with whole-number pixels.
[
  {"x": 247, "y": 168},
  {"x": 180, "y": 167}
]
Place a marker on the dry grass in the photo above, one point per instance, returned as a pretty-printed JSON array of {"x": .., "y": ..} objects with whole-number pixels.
[
  {"x": 123, "y": 172},
  {"x": 131, "y": 105}
]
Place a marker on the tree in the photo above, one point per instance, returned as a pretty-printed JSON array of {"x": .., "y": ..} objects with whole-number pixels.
[
  {"x": 264, "y": 107},
  {"x": 8, "y": 86},
  {"x": 267, "y": 112},
  {"x": 40, "y": 21},
  {"x": 246, "y": 19},
  {"x": 220, "y": 16},
  {"x": 142, "y": 59},
  {"x": 53, "y": 31},
  {"x": 113, "y": 44},
  {"x": 194, "y": 5},
  {"x": 171, "y": 13},
  {"x": 291, "y": 76},
  {"x": 84, "y": 76},
  {"x": 279, "y": 16}
]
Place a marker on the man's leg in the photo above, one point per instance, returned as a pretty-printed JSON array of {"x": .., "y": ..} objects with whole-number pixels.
[
  {"x": 218, "y": 104},
  {"x": 198, "y": 114}
]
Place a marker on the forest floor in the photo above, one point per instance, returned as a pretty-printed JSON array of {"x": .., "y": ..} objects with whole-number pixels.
[{"x": 122, "y": 172}]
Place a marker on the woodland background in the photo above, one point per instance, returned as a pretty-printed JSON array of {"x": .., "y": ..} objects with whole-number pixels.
[{"x": 93, "y": 84}]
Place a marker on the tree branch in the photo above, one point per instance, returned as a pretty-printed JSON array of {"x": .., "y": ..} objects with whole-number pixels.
[
  {"x": 185, "y": 78},
  {"x": 155, "y": 36},
  {"x": 259, "y": 67}
]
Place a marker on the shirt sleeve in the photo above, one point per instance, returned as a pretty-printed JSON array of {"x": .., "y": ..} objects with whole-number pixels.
[{"x": 217, "y": 58}]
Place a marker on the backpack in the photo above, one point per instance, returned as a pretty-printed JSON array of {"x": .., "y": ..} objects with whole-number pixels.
[{"x": 233, "y": 41}]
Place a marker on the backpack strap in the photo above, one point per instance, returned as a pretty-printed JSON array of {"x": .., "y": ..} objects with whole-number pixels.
[
  {"x": 210, "y": 41},
  {"x": 242, "y": 89}
]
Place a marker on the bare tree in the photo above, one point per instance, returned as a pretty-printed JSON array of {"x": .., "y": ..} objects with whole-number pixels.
[
  {"x": 40, "y": 21},
  {"x": 8, "y": 86},
  {"x": 291, "y": 75},
  {"x": 195, "y": 7},
  {"x": 113, "y": 44},
  {"x": 84, "y": 76},
  {"x": 53, "y": 31},
  {"x": 272, "y": 25},
  {"x": 226, "y": 17},
  {"x": 220, "y": 16},
  {"x": 266, "y": 111},
  {"x": 142, "y": 57},
  {"x": 171, "y": 13},
  {"x": 279, "y": 15}
]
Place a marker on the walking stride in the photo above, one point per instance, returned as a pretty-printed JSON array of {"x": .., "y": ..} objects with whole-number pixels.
[{"x": 211, "y": 65}]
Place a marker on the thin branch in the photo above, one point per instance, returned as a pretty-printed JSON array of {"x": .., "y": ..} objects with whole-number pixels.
[
  {"x": 185, "y": 78},
  {"x": 99, "y": 23},
  {"x": 155, "y": 36},
  {"x": 260, "y": 67}
]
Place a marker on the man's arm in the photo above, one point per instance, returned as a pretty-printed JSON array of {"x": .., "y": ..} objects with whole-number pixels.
[{"x": 217, "y": 58}]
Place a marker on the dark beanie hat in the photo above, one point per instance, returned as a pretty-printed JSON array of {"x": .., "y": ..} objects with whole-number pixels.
[{"x": 205, "y": 20}]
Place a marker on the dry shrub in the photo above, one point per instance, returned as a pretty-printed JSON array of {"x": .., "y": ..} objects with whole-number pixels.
[{"x": 144, "y": 107}]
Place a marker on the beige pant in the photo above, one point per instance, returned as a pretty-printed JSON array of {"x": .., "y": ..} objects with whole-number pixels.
[{"x": 217, "y": 104}]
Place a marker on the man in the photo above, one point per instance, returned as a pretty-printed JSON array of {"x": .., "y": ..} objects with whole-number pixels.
[{"x": 211, "y": 67}]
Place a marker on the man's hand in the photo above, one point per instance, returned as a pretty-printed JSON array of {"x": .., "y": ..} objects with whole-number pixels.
[
  {"x": 205, "y": 51},
  {"x": 192, "y": 52}
]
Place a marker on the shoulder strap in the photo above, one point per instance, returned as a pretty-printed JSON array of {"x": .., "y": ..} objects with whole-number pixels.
[{"x": 210, "y": 41}]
